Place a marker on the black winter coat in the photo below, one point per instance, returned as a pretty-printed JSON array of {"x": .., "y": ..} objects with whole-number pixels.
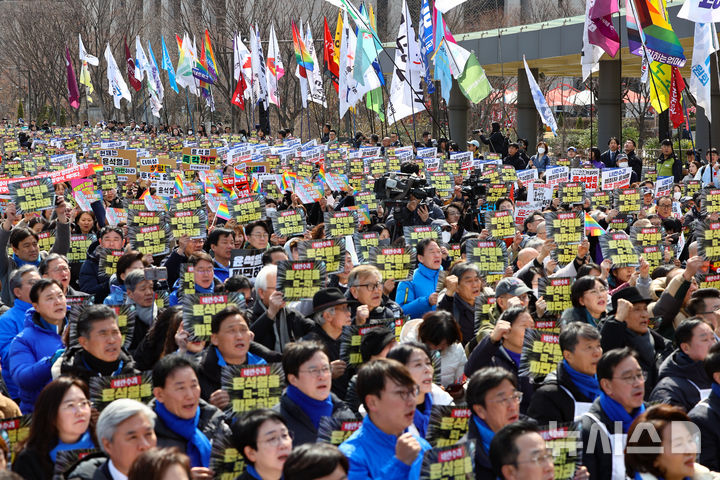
[
  {"x": 599, "y": 462},
  {"x": 706, "y": 416},
  {"x": 680, "y": 381},
  {"x": 264, "y": 328},
  {"x": 212, "y": 425},
  {"x": 91, "y": 280},
  {"x": 75, "y": 364},
  {"x": 299, "y": 423},
  {"x": 552, "y": 402},
  {"x": 91, "y": 467}
]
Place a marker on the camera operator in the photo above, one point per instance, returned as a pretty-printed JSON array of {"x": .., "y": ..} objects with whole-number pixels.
[
  {"x": 420, "y": 209},
  {"x": 497, "y": 141}
]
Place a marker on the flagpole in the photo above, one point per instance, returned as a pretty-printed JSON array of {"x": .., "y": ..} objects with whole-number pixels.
[{"x": 190, "y": 115}]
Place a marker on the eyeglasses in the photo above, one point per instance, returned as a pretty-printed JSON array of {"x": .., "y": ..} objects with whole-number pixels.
[
  {"x": 204, "y": 270},
  {"x": 317, "y": 372},
  {"x": 60, "y": 268},
  {"x": 639, "y": 377},
  {"x": 515, "y": 397},
  {"x": 371, "y": 286},
  {"x": 539, "y": 458},
  {"x": 74, "y": 407},
  {"x": 598, "y": 291},
  {"x": 276, "y": 440},
  {"x": 260, "y": 235},
  {"x": 409, "y": 394}
]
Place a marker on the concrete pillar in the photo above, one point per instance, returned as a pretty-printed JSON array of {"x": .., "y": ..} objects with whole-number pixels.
[
  {"x": 527, "y": 116},
  {"x": 702, "y": 130},
  {"x": 458, "y": 108},
  {"x": 715, "y": 103},
  {"x": 609, "y": 102}
]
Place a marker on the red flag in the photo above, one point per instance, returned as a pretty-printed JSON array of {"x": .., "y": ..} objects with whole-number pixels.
[
  {"x": 237, "y": 98},
  {"x": 676, "y": 88},
  {"x": 134, "y": 82},
  {"x": 331, "y": 66},
  {"x": 73, "y": 93}
]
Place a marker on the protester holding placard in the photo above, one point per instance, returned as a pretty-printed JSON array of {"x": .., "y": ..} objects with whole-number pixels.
[
  {"x": 63, "y": 422},
  {"x": 462, "y": 287},
  {"x": 379, "y": 449},
  {"x": 221, "y": 242},
  {"x": 129, "y": 262},
  {"x": 36, "y": 348},
  {"x": 568, "y": 392},
  {"x": 203, "y": 275},
  {"x": 366, "y": 286},
  {"x": 186, "y": 246},
  {"x": 99, "y": 350},
  {"x": 274, "y": 323},
  {"x": 419, "y": 295},
  {"x": 184, "y": 420},
  {"x": 92, "y": 281},
  {"x": 24, "y": 243},
  {"x": 589, "y": 296}
]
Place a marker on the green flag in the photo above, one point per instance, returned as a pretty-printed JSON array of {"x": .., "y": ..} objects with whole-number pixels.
[
  {"x": 473, "y": 82},
  {"x": 374, "y": 102}
]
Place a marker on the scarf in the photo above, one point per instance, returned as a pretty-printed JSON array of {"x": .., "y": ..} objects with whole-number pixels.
[
  {"x": 20, "y": 262},
  {"x": 587, "y": 384},
  {"x": 145, "y": 314},
  {"x": 84, "y": 442},
  {"x": 716, "y": 389},
  {"x": 252, "y": 472},
  {"x": 422, "y": 415},
  {"x": 617, "y": 412},
  {"x": 486, "y": 434},
  {"x": 104, "y": 368},
  {"x": 198, "y": 445},
  {"x": 315, "y": 409},
  {"x": 590, "y": 319},
  {"x": 515, "y": 357}
]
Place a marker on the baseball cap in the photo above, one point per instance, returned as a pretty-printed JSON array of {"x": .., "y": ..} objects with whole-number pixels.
[
  {"x": 572, "y": 148},
  {"x": 474, "y": 142},
  {"x": 512, "y": 285}
]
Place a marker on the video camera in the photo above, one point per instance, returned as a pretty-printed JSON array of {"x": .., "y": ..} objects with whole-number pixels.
[
  {"x": 475, "y": 186},
  {"x": 397, "y": 188}
]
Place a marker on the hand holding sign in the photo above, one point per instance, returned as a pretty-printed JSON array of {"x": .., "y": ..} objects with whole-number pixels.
[{"x": 11, "y": 216}]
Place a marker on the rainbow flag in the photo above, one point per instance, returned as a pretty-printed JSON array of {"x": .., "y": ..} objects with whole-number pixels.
[
  {"x": 239, "y": 175},
  {"x": 321, "y": 172},
  {"x": 179, "y": 184},
  {"x": 661, "y": 42},
  {"x": 210, "y": 56},
  {"x": 97, "y": 168},
  {"x": 223, "y": 211},
  {"x": 255, "y": 186},
  {"x": 592, "y": 228},
  {"x": 302, "y": 57},
  {"x": 287, "y": 180},
  {"x": 145, "y": 194}
]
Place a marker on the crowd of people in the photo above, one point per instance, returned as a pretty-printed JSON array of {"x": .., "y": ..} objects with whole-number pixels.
[{"x": 640, "y": 360}]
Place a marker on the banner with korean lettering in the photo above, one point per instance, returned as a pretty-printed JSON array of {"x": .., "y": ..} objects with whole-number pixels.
[
  {"x": 707, "y": 235},
  {"x": 540, "y": 193},
  {"x": 350, "y": 339},
  {"x": 331, "y": 251},
  {"x": 446, "y": 463},
  {"x": 500, "y": 223},
  {"x": 299, "y": 280},
  {"x": 396, "y": 263},
  {"x": 198, "y": 310},
  {"x": 32, "y": 195},
  {"x": 619, "y": 249},
  {"x": 339, "y": 224},
  {"x": 614, "y": 178},
  {"x": 252, "y": 386},
  {"x": 556, "y": 293},
  {"x": 523, "y": 209},
  {"x": 413, "y": 234},
  {"x": 600, "y": 199},
  {"x": 710, "y": 201},
  {"x": 628, "y": 200},
  {"x": 649, "y": 243},
  {"x": 16, "y": 431},
  {"x": 540, "y": 354},
  {"x": 335, "y": 430},
  {"x": 200, "y": 158},
  {"x": 150, "y": 240},
  {"x": 556, "y": 175},
  {"x": 288, "y": 223},
  {"x": 590, "y": 177},
  {"x": 225, "y": 460},
  {"x": 107, "y": 260},
  {"x": 571, "y": 193},
  {"x": 246, "y": 263},
  {"x": 104, "y": 390},
  {"x": 663, "y": 186},
  {"x": 448, "y": 424},
  {"x": 568, "y": 231},
  {"x": 248, "y": 209},
  {"x": 490, "y": 256}
]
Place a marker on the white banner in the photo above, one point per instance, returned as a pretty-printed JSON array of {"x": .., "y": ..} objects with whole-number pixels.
[
  {"x": 588, "y": 176},
  {"x": 614, "y": 178}
]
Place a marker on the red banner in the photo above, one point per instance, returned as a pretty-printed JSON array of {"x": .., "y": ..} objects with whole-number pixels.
[{"x": 65, "y": 175}]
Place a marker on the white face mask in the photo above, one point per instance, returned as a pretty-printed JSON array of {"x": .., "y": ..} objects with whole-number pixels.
[
  {"x": 622, "y": 164},
  {"x": 270, "y": 210},
  {"x": 445, "y": 237},
  {"x": 676, "y": 195},
  {"x": 541, "y": 150}
]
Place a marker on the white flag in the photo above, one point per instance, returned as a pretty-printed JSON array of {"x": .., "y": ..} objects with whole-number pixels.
[
  {"x": 590, "y": 57},
  {"x": 541, "y": 105},
  {"x": 243, "y": 64},
  {"x": 705, "y": 43},
  {"x": 700, "y": 11},
  {"x": 117, "y": 88},
  {"x": 347, "y": 86},
  {"x": 142, "y": 64},
  {"x": 444, "y": 6},
  {"x": 259, "y": 80},
  {"x": 406, "y": 97},
  {"x": 85, "y": 56},
  {"x": 275, "y": 68},
  {"x": 302, "y": 74},
  {"x": 315, "y": 80}
]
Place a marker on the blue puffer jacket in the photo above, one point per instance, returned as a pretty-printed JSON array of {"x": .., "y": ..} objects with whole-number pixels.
[
  {"x": 413, "y": 295},
  {"x": 11, "y": 323},
  {"x": 117, "y": 293},
  {"x": 221, "y": 273},
  {"x": 31, "y": 353},
  {"x": 175, "y": 296},
  {"x": 371, "y": 453}
]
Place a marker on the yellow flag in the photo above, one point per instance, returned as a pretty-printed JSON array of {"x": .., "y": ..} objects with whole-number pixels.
[
  {"x": 338, "y": 38},
  {"x": 660, "y": 85},
  {"x": 85, "y": 80}
]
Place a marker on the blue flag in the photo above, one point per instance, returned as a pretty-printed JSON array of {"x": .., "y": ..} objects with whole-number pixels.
[
  {"x": 426, "y": 43},
  {"x": 168, "y": 66},
  {"x": 442, "y": 62},
  {"x": 541, "y": 104}
]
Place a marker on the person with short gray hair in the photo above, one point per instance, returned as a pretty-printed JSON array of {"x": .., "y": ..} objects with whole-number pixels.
[
  {"x": 21, "y": 280},
  {"x": 141, "y": 295},
  {"x": 124, "y": 430},
  {"x": 57, "y": 267}
]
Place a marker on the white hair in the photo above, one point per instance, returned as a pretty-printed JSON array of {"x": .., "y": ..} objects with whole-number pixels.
[
  {"x": 116, "y": 413},
  {"x": 262, "y": 277}
]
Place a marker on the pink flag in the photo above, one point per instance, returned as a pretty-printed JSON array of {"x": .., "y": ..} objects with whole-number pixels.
[
  {"x": 603, "y": 8},
  {"x": 601, "y": 32},
  {"x": 73, "y": 93}
]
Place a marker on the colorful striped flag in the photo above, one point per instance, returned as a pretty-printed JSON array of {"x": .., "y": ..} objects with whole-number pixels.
[
  {"x": 223, "y": 211},
  {"x": 302, "y": 56},
  {"x": 210, "y": 55},
  {"x": 179, "y": 184},
  {"x": 592, "y": 228},
  {"x": 255, "y": 186}
]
